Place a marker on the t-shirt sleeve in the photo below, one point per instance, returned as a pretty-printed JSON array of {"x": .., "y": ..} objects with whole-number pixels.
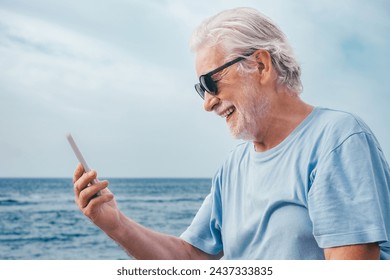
[
  {"x": 349, "y": 201},
  {"x": 205, "y": 230}
]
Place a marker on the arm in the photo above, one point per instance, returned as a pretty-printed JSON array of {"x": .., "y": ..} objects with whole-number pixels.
[
  {"x": 138, "y": 241},
  {"x": 369, "y": 251},
  {"x": 143, "y": 243}
]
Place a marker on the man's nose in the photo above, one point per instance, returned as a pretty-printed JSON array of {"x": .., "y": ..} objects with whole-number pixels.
[{"x": 210, "y": 101}]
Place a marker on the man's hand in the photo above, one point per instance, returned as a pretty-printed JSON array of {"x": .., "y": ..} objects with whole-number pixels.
[{"x": 101, "y": 210}]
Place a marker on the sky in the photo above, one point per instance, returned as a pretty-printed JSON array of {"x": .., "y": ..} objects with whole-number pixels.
[{"x": 119, "y": 76}]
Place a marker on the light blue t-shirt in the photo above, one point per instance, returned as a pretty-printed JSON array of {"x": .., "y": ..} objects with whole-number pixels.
[{"x": 327, "y": 184}]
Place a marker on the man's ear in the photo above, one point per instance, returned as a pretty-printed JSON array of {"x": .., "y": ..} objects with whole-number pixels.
[
  {"x": 264, "y": 64},
  {"x": 260, "y": 66}
]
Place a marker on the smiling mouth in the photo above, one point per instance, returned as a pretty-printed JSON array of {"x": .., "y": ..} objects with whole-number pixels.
[{"x": 228, "y": 112}]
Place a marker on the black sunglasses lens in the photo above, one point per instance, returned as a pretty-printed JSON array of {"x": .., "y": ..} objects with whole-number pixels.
[
  {"x": 209, "y": 85},
  {"x": 199, "y": 90}
]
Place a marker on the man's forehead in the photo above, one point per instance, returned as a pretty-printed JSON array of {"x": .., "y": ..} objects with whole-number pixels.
[{"x": 207, "y": 59}]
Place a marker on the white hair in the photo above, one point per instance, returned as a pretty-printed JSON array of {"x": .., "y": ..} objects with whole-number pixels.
[{"x": 243, "y": 30}]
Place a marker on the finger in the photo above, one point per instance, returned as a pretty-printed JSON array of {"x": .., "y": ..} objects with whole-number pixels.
[
  {"x": 84, "y": 181},
  {"x": 105, "y": 190},
  {"x": 93, "y": 206},
  {"x": 79, "y": 171},
  {"x": 101, "y": 199},
  {"x": 88, "y": 194}
]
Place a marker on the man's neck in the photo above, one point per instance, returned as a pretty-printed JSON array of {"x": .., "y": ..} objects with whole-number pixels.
[{"x": 287, "y": 115}]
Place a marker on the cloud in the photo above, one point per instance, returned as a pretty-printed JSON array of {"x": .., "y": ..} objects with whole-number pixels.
[{"x": 50, "y": 61}]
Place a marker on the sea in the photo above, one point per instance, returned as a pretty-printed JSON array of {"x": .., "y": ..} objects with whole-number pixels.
[{"x": 39, "y": 219}]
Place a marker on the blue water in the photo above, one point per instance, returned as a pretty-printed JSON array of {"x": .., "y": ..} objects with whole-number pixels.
[{"x": 40, "y": 220}]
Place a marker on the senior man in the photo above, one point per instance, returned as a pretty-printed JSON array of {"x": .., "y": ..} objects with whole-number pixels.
[{"x": 307, "y": 183}]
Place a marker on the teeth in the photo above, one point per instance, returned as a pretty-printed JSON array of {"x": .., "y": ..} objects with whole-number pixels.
[{"x": 228, "y": 112}]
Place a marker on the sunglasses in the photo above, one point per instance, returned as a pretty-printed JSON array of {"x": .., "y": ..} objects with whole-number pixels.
[{"x": 206, "y": 82}]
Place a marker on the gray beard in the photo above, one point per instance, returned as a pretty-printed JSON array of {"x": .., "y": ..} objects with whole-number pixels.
[{"x": 250, "y": 123}]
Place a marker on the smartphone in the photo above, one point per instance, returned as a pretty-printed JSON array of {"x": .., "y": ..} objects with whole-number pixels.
[{"x": 80, "y": 157}]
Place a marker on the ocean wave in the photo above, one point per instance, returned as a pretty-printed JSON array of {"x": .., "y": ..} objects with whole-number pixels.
[
  {"x": 14, "y": 202},
  {"x": 7, "y": 238},
  {"x": 33, "y": 239}
]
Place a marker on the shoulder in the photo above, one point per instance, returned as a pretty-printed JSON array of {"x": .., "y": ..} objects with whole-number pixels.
[
  {"x": 240, "y": 152},
  {"x": 341, "y": 121},
  {"x": 236, "y": 156},
  {"x": 336, "y": 126}
]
